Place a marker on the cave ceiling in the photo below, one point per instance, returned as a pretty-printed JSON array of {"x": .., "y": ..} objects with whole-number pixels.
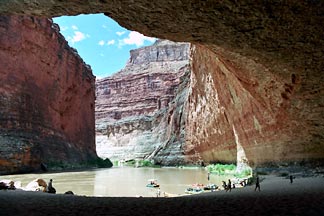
[{"x": 287, "y": 35}]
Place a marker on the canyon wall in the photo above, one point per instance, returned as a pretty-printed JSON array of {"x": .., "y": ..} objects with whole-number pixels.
[
  {"x": 47, "y": 97},
  {"x": 215, "y": 114},
  {"x": 135, "y": 107},
  {"x": 235, "y": 115}
]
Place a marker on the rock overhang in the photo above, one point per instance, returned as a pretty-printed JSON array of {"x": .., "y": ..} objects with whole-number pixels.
[{"x": 275, "y": 48}]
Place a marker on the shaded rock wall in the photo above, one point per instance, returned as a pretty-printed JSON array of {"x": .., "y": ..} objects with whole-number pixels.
[
  {"x": 46, "y": 97},
  {"x": 135, "y": 107},
  {"x": 227, "y": 111}
]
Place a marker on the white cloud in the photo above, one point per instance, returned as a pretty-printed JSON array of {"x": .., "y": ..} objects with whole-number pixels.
[
  {"x": 74, "y": 27},
  {"x": 120, "y": 33},
  {"x": 78, "y": 36},
  {"x": 101, "y": 43},
  {"x": 135, "y": 38},
  {"x": 111, "y": 42},
  {"x": 64, "y": 28}
]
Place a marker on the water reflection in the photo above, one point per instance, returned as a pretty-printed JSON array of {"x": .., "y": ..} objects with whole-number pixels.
[{"x": 122, "y": 181}]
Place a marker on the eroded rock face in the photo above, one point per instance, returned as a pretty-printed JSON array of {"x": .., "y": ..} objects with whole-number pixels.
[
  {"x": 46, "y": 97},
  {"x": 264, "y": 118},
  {"x": 135, "y": 107}
]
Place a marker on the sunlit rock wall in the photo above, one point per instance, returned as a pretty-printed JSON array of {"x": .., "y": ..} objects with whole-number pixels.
[
  {"x": 46, "y": 97},
  {"x": 135, "y": 107}
]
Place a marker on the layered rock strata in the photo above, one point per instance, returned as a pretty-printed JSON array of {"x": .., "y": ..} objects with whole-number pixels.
[
  {"x": 46, "y": 97},
  {"x": 259, "y": 121},
  {"x": 135, "y": 107}
]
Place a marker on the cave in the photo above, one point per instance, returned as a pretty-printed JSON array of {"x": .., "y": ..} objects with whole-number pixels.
[
  {"x": 264, "y": 62},
  {"x": 271, "y": 51}
]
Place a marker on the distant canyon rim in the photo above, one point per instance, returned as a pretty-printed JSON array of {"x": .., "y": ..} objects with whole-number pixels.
[{"x": 255, "y": 83}]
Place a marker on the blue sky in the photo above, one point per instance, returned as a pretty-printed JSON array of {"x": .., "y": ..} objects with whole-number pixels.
[{"x": 100, "y": 41}]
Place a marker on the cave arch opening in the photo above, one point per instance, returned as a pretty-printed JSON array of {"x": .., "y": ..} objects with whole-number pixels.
[
  {"x": 134, "y": 93},
  {"x": 281, "y": 54}
]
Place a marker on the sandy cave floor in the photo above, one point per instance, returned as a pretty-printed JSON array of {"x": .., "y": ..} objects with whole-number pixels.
[{"x": 305, "y": 196}]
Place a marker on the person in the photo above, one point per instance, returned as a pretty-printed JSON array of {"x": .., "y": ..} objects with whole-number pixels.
[
  {"x": 12, "y": 185},
  {"x": 224, "y": 185},
  {"x": 229, "y": 185},
  {"x": 41, "y": 183},
  {"x": 291, "y": 179},
  {"x": 158, "y": 192},
  {"x": 257, "y": 184},
  {"x": 208, "y": 176},
  {"x": 50, "y": 188}
]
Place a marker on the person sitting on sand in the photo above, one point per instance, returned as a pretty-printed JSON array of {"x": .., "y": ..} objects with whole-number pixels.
[
  {"x": 12, "y": 185},
  {"x": 50, "y": 188},
  {"x": 41, "y": 183}
]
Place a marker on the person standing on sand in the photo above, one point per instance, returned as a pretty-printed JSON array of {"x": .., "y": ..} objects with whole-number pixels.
[
  {"x": 224, "y": 185},
  {"x": 229, "y": 185},
  {"x": 257, "y": 184},
  {"x": 291, "y": 179},
  {"x": 208, "y": 176},
  {"x": 158, "y": 193}
]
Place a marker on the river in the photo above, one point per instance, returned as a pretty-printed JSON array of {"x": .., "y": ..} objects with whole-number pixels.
[{"x": 123, "y": 181}]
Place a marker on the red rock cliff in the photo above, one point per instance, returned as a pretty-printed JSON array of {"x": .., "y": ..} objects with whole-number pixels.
[
  {"x": 46, "y": 97},
  {"x": 134, "y": 107}
]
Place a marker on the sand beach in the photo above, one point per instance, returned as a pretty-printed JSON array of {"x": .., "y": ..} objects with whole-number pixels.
[{"x": 305, "y": 196}]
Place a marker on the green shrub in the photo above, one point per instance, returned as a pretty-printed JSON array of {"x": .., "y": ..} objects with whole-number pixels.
[
  {"x": 228, "y": 169},
  {"x": 244, "y": 173},
  {"x": 115, "y": 163},
  {"x": 222, "y": 169},
  {"x": 145, "y": 163}
]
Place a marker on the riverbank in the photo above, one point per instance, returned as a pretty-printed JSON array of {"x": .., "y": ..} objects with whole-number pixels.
[{"x": 305, "y": 196}]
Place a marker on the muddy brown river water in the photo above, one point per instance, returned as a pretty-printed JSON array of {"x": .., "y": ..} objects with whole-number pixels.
[{"x": 123, "y": 181}]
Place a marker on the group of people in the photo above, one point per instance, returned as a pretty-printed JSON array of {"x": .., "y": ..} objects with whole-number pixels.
[
  {"x": 35, "y": 185},
  {"x": 228, "y": 186},
  {"x": 42, "y": 183},
  {"x": 7, "y": 185}
]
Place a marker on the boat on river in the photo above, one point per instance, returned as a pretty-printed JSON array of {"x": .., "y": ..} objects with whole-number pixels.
[
  {"x": 210, "y": 187},
  {"x": 200, "y": 188},
  {"x": 196, "y": 190},
  {"x": 153, "y": 183}
]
